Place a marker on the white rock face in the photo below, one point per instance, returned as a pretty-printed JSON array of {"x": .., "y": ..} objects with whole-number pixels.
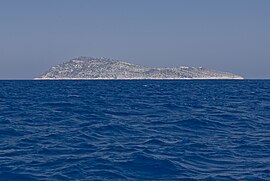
[{"x": 104, "y": 68}]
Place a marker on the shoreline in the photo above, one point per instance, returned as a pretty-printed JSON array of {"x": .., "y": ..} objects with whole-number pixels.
[{"x": 204, "y": 78}]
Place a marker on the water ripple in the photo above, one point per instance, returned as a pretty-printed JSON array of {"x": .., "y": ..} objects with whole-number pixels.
[{"x": 135, "y": 130}]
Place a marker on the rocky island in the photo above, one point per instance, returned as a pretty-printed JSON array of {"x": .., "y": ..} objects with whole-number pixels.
[{"x": 104, "y": 68}]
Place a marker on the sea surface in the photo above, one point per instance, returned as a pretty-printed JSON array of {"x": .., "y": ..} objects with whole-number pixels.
[{"x": 135, "y": 130}]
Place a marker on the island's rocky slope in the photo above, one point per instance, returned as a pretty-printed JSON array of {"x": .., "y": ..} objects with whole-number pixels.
[{"x": 104, "y": 68}]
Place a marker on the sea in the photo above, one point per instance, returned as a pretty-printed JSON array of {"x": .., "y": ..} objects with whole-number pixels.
[{"x": 135, "y": 130}]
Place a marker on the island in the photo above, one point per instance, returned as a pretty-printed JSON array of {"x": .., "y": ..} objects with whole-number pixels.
[{"x": 89, "y": 68}]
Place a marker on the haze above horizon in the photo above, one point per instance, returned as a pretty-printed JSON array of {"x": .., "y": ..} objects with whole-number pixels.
[{"x": 230, "y": 35}]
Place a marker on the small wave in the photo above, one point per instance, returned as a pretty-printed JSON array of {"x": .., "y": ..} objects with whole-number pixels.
[{"x": 134, "y": 130}]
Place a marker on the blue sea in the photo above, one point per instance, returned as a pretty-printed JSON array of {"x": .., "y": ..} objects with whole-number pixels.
[{"x": 135, "y": 130}]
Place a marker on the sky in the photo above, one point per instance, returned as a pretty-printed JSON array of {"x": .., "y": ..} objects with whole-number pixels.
[{"x": 228, "y": 35}]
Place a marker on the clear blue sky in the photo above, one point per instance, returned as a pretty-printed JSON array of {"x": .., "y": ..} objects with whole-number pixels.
[{"x": 227, "y": 35}]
